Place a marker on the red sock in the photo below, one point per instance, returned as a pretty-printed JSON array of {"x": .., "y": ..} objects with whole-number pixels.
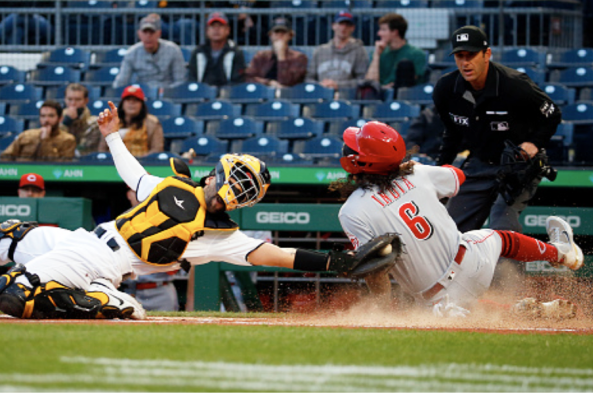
[{"x": 523, "y": 248}]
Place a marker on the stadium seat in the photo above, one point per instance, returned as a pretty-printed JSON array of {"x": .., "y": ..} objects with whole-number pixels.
[
  {"x": 419, "y": 94},
  {"x": 585, "y": 94},
  {"x": 6, "y": 140},
  {"x": 109, "y": 58},
  {"x": 561, "y": 141},
  {"x": 182, "y": 127},
  {"x": 29, "y": 110},
  {"x": 54, "y": 75},
  {"x": 560, "y": 94},
  {"x": 319, "y": 147},
  {"x": 186, "y": 54},
  {"x": 213, "y": 110},
  {"x": 401, "y": 4},
  {"x": 9, "y": 75},
  {"x": 458, "y": 4},
  {"x": 20, "y": 92},
  {"x": 59, "y": 92},
  {"x": 331, "y": 110},
  {"x": 293, "y": 4},
  {"x": 159, "y": 158},
  {"x": 523, "y": 57},
  {"x": 146, "y": 4},
  {"x": 306, "y": 93},
  {"x": 290, "y": 159},
  {"x": 573, "y": 77},
  {"x": 103, "y": 76},
  {"x": 163, "y": 108},
  {"x": 247, "y": 93},
  {"x": 88, "y": 4},
  {"x": 296, "y": 128},
  {"x": 96, "y": 106},
  {"x": 441, "y": 59},
  {"x": 391, "y": 112},
  {"x": 97, "y": 158},
  {"x": 580, "y": 112},
  {"x": 204, "y": 145},
  {"x": 582, "y": 57},
  {"x": 240, "y": 128},
  {"x": 3, "y": 107},
  {"x": 346, "y": 4},
  {"x": 10, "y": 125},
  {"x": 273, "y": 110},
  {"x": 582, "y": 141},
  {"x": 537, "y": 76},
  {"x": 401, "y": 127},
  {"x": 114, "y": 94},
  {"x": 190, "y": 92},
  {"x": 354, "y": 95},
  {"x": 337, "y": 127},
  {"x": 262, "y": 145},
  {"x": 66, "y": 56}
]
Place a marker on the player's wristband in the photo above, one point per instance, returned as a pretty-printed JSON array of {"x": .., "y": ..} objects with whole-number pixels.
[{"x": 308, "y": 260}]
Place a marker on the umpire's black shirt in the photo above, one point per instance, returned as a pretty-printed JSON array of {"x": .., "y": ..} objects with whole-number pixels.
[{"x": 511, "y": 106}]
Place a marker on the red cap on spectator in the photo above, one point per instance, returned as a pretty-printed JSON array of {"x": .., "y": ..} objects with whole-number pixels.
[
  {"x": 217, "y": 17},
  {"x": 32, "y": 180},
  {"x": 134, "y": 91}
]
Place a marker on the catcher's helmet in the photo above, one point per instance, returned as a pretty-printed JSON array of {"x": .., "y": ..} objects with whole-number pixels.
[
  {"x": 378, "y": 149},
  {"x": 241, "y": 180}
]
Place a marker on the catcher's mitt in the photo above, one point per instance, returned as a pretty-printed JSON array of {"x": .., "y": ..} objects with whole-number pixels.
[{"x": 369, "y": 258}]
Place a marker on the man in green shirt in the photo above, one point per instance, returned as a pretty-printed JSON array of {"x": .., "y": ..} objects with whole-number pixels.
[{"x": 395, "y": 62}]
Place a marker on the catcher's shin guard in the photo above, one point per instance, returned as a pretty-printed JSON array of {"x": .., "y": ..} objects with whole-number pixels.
[{"x": 115, "y": 304}]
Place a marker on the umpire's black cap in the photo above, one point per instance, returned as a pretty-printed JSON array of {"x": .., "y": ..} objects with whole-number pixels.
[{"x": 469, "y": 38}]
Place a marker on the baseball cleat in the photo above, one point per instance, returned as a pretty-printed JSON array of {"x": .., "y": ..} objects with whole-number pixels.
[
  {"x": 120, "y": 305},
  {"x": 560, "y": 233},
  {"x": 533, "y": 309}
]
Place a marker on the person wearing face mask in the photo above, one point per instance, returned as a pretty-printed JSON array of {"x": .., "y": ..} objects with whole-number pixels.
[{"x": 141, "y": 132}]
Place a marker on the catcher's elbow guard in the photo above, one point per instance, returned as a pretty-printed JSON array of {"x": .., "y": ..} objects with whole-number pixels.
[{"x": 309, "y": 260}]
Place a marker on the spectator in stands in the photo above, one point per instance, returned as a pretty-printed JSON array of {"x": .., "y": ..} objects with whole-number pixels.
[
  {"x": 31, "y": 186},
  {"x": 425, "y": 134},
  {"x": 219, "y": 61},
  {"x": 153, "y": 61},
  {"x": 46, "y": 143},
  {"x": 342, "y": 62},
  {"x": 78, "y": 121},
  {"x": 141, "y": 132},
  {"x": 28, "y": 29},
  {"x": 395, "y": 62},
  {"x": 280, "y": 66}
]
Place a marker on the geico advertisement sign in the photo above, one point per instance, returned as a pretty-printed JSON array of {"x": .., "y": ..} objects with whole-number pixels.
[
  {"x": 283, "y": 217},
  {"x": 540, "y": 220},
  {"x": 15, "y": 210}
]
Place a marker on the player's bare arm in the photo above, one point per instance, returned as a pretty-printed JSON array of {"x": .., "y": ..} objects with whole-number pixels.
[{"x": 108, "y": 120}]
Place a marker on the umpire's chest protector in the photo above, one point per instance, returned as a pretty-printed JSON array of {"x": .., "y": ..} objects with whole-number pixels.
[{"x": 159, "y": 228}]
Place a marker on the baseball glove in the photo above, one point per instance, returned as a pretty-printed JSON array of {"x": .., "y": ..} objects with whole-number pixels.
[{"x": 369, "y": 258}]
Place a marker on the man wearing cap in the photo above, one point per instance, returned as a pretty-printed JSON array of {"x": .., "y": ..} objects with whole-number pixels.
[
  {"x": 342, "y": 62},
  {"x": 153, "y": 60},
  {"x": 48, "y": 142},
  {"x": 31, "y": 186},
  {"x": 219, "y": 61},
  {"x": 482, "y": 104},
  {"x": 280, "y": 66}
]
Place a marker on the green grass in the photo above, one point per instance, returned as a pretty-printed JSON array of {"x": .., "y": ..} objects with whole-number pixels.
[{"x": 202, "y": 358}]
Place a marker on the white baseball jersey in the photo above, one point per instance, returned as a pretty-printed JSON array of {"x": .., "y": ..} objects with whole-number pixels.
[{"x": 411, "y": 209}]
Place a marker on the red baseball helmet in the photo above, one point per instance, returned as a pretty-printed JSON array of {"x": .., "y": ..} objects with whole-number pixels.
[{"x": 379, "y": 149}]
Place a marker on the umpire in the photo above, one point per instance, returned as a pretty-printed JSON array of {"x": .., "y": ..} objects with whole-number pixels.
[{"x": 483, "y": 104}]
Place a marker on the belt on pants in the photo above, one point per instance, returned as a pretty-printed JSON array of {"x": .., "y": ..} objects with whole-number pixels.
[
  {"x": 428, "y": 294},
  {"x": 112, "y": 243},
  {"x": 150, "y": 285}
]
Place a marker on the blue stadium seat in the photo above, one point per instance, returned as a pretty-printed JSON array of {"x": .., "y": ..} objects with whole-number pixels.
[
  {"x": 54, "y": 75},
  {"x": 458, "y": 4},
  {"x": 10, "y": 125},
  {"x": 204, "y": 145},
  {"x": 264, "y": 144},
  {"x": 573, "y": 76},
  {"x": 88, "y": 4},
  {"x": 289, "y": 159},
  {"x": 29, "y": 110},
  {"x": 353, "y": 96},
  {"x": 20, "y": 92},
  {"x": 347, "y": 4},
  {"x": 331, "y": 110},
  {"x": 159, "y": 158},
  {"x": 582, "y": 57},
  {"x": 295, "y": 128},
  {"x": 3, "y": 107},
  {"x": 585, "y": 94},
  {"x": 66, "y": 56},
  {"x": 245, "y": 93},
  {"x": 419, "y": 94},
  {"x": 307, "y": 92},
  {"x": 337, "y": 127},
  {"x": 523, "y": 57},
  {"x": 146, "y": 4},
  {"x": 319, "y": 147},
  {"x": 163, "y": 108},
  {"x": 273, "y": 110},
  {"x": 213, "y": 110},
  {"x": 59, "y": 92},
  {"x": 582, "y": 139},
  {"x": 401, "y": 127},
  {"x": 293, "y": 4},
  {"x": 186, "y": 54},
  {"x": 560, "y": 94},
  {"x": 561, "y": 141},
  {"x": 9, "y": 74},
  {"x": 97, "y": 158},
  {"x": 182, "y": 127},
  {"x": 391, "y": 112},
  {"x": 240, "y": 128},
  {"x": 578, "y": 113},
  {"x": 537, "y": 76},
  {"x": 401, "y": 4},
  {"x": 114, "y": 94},
  {"x": 190, "y": 92},
  {"x": 6, "y": 140},
  {"x": 110, "y": 58},
  {"x": 96, "y": 106},
  {"x": 103, "y": 76}
]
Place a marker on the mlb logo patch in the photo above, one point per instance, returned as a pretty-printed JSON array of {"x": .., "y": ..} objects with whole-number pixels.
[
  {"x": 462, "y": 37},
  {"x": 499, "y": 126}
]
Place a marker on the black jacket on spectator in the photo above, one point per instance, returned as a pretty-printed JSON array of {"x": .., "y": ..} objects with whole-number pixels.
[{"x": 228, "y": 69}]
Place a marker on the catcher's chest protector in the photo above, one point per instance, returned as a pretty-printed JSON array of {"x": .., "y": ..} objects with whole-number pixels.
[{"x": 159, "y": 228}]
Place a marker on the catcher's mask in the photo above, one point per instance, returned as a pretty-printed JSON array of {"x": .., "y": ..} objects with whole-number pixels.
[{"x": 241, "y": 180}]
